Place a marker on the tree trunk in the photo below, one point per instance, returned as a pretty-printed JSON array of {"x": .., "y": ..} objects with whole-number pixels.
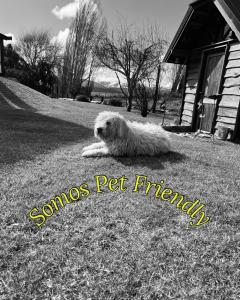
[
  {"x": 129, "y": 103},
  {"x": 155, "y": 98},
  {"x": 130, "y": 96},
  {"x": 177, "y": 79},
  {"x": 144, "y": 109}
]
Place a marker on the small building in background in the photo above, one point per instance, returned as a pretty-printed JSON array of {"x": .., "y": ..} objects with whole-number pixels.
[
  {"x": 2, "y": 38},
  {"x": 208, "y": 43}
]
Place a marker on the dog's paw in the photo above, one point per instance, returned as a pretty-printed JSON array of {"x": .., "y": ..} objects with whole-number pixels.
[
  {"x": 95, "y": 152},
  {"x": 93, "y": 146},
  {"x": 90, "y": 153},
  {"x": 84, "y": 154},
  {"x": 84, "y": 148}
]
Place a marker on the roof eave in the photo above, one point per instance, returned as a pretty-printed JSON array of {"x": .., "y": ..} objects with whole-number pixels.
[
  {"x": 229, "y": 10},
  {"x": 178, "y": 35},
  {"x": 4, "y": 37},
  {"x": 226, "y": 12}
]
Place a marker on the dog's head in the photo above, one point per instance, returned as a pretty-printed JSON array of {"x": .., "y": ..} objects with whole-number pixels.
[{"x": 110, "y": 126}]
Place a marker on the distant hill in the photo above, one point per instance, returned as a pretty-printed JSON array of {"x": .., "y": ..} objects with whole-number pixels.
[{"x": 112, "y": 88}]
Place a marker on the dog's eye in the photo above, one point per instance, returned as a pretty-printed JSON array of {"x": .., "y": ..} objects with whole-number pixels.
[{"x": 108, "y": 123}]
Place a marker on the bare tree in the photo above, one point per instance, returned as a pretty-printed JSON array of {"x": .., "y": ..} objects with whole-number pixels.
[
  {"x": 176, "y": 76},
  {"x": 160, "y": 39},
  {"x": 41, "y": 57},
  {"x": 129, "y": 52},
  {"x": 142, "y": 96},
  {"x": 79, "y": 60},
  {"x": 36, "y": 46}
]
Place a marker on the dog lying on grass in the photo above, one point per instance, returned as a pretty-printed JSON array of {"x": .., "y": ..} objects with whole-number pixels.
[{"x": 120, "y": 137}]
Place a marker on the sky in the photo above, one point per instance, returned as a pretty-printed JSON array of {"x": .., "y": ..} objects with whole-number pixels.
[{"x": 20, "y": 16}]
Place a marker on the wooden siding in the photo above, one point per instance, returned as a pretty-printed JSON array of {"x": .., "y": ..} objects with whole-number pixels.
[
  {"x": 191, "y": 89},
  {"x": 229, "y": 103}
]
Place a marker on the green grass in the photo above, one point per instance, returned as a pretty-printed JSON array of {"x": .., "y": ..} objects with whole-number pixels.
[{"x": 111, "y": 245}]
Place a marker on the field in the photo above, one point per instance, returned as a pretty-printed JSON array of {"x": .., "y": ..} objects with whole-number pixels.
[{"x": 114, "y": 244}]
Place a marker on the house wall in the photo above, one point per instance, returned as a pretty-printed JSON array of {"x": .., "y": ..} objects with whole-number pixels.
[
  {"x": 192, "y": 76},
  {"x": 1, "y": 56},
  {"x": 229, "y": 103}
]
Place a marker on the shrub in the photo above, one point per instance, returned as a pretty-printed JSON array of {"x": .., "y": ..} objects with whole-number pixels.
[
  {"x": 82, "y": 98},
  {"x": 113, "y": 102}
]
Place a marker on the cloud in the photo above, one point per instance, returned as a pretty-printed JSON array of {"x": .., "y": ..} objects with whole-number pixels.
[
  {"x": 13, "y": 41},
  {"x": 69, "y": 10},
  {"x": 61, "y": 37}
]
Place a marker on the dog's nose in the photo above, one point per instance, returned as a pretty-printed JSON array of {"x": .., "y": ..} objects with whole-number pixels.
[{"x": 99, "y": 130}]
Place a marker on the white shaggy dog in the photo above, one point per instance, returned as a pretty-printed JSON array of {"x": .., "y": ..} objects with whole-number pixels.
[{"x": 124, "y": 138}]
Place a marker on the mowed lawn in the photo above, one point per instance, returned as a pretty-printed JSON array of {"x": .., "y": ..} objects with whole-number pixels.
[{"x": 114, "y": 244}]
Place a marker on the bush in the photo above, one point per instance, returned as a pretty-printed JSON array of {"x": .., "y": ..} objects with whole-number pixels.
[
  {"x": 20, "y": 75},
  {"x": 82, "y": 98},
  {"x": 96, "y": 99},
  {"x": 113, "y": 102}
]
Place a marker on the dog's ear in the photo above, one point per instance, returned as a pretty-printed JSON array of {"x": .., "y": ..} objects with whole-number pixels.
[{"x": 123, "y": 128}]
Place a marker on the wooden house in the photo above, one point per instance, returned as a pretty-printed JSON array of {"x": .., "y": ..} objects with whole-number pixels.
[
  {"x": 208, "y": 43},
  {"x": 2, "y": 38}
]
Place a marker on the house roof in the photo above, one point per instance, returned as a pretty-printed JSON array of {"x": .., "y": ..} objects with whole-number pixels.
[
  {"x": 200, "y": 13},
  {"x": 4, "y": 37}
]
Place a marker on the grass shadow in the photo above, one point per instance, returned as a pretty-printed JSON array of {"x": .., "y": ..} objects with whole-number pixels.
[
  {"x": 14, "y": 99},
  {"x": 25, "y": 134},
  {"x": 154, "y": 163}
]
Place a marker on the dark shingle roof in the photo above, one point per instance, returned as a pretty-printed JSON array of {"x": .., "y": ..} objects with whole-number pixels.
[
  {"x": 4, "y": 37},
  {"x": 203, "y": 9}
]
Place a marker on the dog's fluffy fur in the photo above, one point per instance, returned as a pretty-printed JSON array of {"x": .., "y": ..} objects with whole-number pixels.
[{"x": 124, "y": 138}]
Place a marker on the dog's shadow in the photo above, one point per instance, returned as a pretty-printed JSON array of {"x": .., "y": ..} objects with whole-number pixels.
[{"x": 154, "y": 163}]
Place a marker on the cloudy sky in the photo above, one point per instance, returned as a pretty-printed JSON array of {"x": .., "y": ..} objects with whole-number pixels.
[{"x": 20, "y": 16}]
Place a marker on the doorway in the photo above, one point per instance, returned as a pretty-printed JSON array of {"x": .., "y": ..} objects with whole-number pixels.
[{"x": 208, "y": 93}]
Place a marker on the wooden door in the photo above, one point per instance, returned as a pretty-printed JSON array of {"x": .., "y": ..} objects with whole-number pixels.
[{"x": 210, "y": 86}]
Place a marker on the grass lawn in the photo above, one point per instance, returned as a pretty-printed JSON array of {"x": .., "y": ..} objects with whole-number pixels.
[{"x": 111, "y": 245}]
